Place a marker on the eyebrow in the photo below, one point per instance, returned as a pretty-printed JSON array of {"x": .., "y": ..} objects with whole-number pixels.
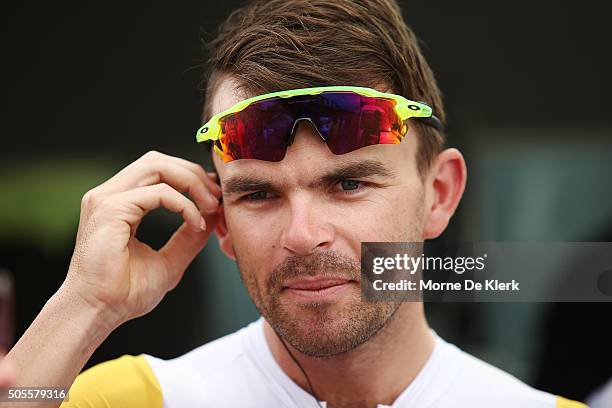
[{"x": 361, "y": 169}]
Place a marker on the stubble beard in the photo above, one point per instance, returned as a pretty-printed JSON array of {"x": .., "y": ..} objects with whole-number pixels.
[{"x": 322, "y": 329}]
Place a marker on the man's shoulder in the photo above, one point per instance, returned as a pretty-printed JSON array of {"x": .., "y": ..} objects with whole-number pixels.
[
  {"x": 479, "y": 381},
  {"x": 210, "y": 358},
  {"x": 209, "y": 371},
  {"x": 213, "y": 372},
  {"x": 121, "y": 382}
]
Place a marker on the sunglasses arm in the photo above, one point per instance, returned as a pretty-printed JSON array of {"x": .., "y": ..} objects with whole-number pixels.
[{"x": 432, "y": 121}]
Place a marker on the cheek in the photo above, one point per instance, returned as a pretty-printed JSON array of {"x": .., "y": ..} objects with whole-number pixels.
[
  {"x": 409, "y": 214},
  {"x": 253, "y": 236},
  {"x": 394, "y": 214}
]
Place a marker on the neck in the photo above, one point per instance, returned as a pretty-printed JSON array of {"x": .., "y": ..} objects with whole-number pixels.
[{"x": 374, "y": 373}]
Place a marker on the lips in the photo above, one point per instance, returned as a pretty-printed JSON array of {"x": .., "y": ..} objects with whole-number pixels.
[
  {"x": 315, "y": 284},
  {"x": 317, "y": 288}
]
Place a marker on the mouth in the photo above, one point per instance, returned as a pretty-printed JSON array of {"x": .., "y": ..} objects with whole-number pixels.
[{"x": 317, "y": 289}]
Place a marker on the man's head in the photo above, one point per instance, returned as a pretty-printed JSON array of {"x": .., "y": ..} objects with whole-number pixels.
[{"x": 297, "y": 224}]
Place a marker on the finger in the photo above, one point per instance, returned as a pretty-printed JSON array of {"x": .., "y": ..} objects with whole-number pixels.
[
  {"x": 211, "y": 182},
  {"x": 184, "y": 245},
  {"x": 206, "y": 217},
  {"x": 158, "y": 168},
  {"x": 198, "y": 170},
  {"x": 132, "y": 205}
]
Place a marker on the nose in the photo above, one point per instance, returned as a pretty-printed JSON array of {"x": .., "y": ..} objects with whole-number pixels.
[{"x": 307, "y": 229}]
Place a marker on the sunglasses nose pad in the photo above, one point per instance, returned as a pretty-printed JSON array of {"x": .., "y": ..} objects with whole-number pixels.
[{"x": 295, "y": 127}]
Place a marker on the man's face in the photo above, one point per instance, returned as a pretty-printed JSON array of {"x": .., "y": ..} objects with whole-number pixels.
[{"x": 295, "y": 228}]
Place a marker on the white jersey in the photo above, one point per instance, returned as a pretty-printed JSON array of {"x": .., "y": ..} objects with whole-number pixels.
[{"x": 239, "y": 370}]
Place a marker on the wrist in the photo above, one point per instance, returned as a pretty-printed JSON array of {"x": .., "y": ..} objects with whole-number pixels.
[
  {"x": 61, "y": 339},
  {"x": 96, "y": 321}
]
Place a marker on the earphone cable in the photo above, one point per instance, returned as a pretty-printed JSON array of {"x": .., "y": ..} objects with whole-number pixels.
[{"x": 311, "y": 389}]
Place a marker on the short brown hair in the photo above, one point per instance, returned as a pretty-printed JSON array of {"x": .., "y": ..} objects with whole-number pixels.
[{"x": 273, "y": 45}]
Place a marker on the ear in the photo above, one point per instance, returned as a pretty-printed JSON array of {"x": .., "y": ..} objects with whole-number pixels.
[
  {"x": 445, "y": 184},
  {"x": 225, "y": 241}
]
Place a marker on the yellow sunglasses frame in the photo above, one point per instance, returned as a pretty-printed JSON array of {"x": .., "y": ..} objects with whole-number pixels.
[{"x": 405, "y": 108}]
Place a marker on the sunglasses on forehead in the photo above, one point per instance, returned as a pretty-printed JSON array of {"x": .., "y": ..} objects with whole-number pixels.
[{"x": 346, "y": 118}]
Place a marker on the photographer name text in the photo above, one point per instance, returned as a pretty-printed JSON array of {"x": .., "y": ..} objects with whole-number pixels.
[{"x": 493, "y": 285}]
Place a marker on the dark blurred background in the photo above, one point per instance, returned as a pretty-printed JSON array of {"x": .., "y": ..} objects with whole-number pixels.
[{"x": 89, "y": 87}]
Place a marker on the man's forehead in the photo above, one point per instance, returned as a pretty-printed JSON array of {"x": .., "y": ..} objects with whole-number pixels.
[{"x": 226, "y": 94}]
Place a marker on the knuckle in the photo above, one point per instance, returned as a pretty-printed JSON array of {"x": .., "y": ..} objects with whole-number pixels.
[
  {"x": 151, "y": 155},
  {"x": 164, "y": 188},
  {"x": 90, "y": 198},
  {"x": 199, "y": 168}
]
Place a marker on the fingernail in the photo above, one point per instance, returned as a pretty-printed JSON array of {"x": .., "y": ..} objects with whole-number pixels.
[
  {"x": 213, "y": 175},
  {"x": 202, "y": 224}
]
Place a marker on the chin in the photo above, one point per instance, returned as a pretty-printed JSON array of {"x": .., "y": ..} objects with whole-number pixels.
[{"x": 321, "y": 329}]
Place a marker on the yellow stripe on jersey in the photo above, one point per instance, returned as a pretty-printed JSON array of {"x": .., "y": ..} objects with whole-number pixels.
[
  {"x": 124, "y": 382},
  {"x": 565, "y": 403}
]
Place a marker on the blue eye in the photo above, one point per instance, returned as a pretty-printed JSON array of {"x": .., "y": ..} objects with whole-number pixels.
[{"x": 349, "y": 184}]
